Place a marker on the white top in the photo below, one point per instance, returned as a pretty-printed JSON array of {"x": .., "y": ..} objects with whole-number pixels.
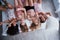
[
  {"x": 28, "y": 23},
  {"x": 43, "y": 26},
  {"x": 38, "y": 7},
  {"x": 52, "y": 22},
  {"x": 10, "y": 13}
]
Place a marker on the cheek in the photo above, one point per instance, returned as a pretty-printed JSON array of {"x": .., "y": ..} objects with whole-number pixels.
[
  {"x": 32, "y": 14},
  {"x": 43, "y": 18},
  {"x": 19, "y": 13},
  {"x": 29, "y": 13}
]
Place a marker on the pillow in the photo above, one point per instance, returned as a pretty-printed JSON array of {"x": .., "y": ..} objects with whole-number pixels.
[{"x": 52, "y": 22}]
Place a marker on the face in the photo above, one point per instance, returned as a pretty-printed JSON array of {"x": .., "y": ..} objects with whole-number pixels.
[
  {"x": 20, "y": 15},
  {"x": 20, "y": 12},
  {"x": 35, "y": 20},
  {"x": 42, "y": 18},
  {"x": 31, "y": 12}
]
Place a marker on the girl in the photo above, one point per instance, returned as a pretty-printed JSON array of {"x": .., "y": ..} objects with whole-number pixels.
[
  {"x": 21, "y": 15},
  {"x": 30, "y": 12},
  {"x": 13, "y": 28},
  {"x": 10, "y": 14},
  {"x": 43, "y": 20},
  {"x": 29, "y": 7},
  {"x": 41, "y": 17},
  {"x": 35, "y": 23},
  {"x": 9, "y": 10}
]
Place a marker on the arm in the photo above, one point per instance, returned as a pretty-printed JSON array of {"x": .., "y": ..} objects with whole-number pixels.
[
  {"x": 39, "y": 1},
  {"x": 34, "y": 1},
  {"x": 10, "y": 24},
  {"x": 6, "y": 21},
  {"x": 2, "y": 8},
  {"x": 30, "y": 2},
  {"x": 7, "y": 4},
  {"x": 20, "y": 3},
  {"x": 25, "y": 13},
  {"x": 22, "y": 9},
  {"x": 16, "y": 3},
  {"x": 12, "y": 21},
  {"x": 37, "y": 14},
  {"x": 26, "y": 3}
]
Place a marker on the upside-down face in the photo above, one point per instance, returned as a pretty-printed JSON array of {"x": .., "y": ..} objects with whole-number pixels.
[
  {"x": 42, "y": 17},
  {"x": 23, "y": 26},
  {"x": 20, "y": 14},
  {"x": 35, "y": 20},
  {"x": 35, "y": 23},
  {"x": 31, "y": 12}
]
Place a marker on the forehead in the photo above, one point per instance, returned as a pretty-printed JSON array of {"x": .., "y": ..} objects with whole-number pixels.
[
  {"x": 21, "y": 11},
  {"x": 31, "y": 10}
]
